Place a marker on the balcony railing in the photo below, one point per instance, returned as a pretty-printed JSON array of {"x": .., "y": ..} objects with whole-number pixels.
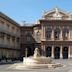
[
  {"x": 3, "y": 29},
  {"x": 53, "y": 39},
  {"x": 9, "y": 46}
]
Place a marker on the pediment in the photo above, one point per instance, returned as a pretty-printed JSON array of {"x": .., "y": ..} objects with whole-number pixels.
[{"x": 57, "y": 13}]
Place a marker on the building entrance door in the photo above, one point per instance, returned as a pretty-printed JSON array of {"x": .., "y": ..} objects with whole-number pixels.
[
  {"x": 29, "y": 51},
  {"x": 57, "y": 52},
  {"x": 65, "y": 53},
  {"x": 48, "y": 51}
]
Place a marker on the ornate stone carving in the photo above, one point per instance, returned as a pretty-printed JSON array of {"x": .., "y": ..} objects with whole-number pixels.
[{"x": 36, "y": 53}]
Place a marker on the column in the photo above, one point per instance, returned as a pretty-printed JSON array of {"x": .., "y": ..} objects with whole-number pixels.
[
  {"x": 7, "y": 54},
  {"x": 15, "y": 45},
  {"x": 11, "y": 41},
  {"x": 52, "y": 37},
  {"x": 44, "y": 33},
  {"x": 61, "y": 52},
  {"x": 41, "y": 33},
  {"x": 5, "y": 39},
  {"x": 69, "y": 35},
  {"x": 69, "y": 52},
  {"x": 61, "y": 36},
  {"x": 52, "y": 51},
  {"x": 44, "y": 51}
]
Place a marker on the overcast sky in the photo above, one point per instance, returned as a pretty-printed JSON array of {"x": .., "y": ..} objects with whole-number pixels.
[{"x": 31, "y": 10}]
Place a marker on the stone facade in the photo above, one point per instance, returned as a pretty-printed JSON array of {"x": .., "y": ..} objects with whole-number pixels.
[
  {"x": 9, "y": 37},
  {"x": 52, "y": 35}
]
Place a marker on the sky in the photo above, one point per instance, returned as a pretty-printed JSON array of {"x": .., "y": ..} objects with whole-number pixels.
[{"x": 30, "y": 11}]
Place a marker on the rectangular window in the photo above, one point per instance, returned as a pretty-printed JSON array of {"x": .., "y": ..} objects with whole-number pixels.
[
  {"x": 1, "y": 35},
  {"x": 49, "y": 35},
  {"x": 57, "y": 35}
]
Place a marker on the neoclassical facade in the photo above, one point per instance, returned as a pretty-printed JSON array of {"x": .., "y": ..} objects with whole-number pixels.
[{"x": 52, "y": 35}]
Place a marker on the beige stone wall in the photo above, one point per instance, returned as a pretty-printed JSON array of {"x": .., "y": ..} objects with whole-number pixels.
[
  {"x": 71, "y": 33},
  {"x": 9, "y": 53},
  {"x": 9, "y": 48},
  {"x": 71, "y": 51},
  {"x": 36, "y": 31},
  {"x": 10, "y": 29}
]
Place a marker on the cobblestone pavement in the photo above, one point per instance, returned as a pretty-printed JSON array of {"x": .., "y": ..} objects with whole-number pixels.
[{"x": 66, "y": 68}]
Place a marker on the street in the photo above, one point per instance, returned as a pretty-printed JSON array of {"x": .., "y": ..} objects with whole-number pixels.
[{"x": 66, "y": 68}]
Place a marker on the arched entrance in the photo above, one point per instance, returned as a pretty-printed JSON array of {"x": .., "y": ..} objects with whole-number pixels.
[
  {"x": 48, "y": 51},
  {"x": 29, "y": 51},
  {"x": 57, "y": 52},
  {"x": 65, "y": 53}
]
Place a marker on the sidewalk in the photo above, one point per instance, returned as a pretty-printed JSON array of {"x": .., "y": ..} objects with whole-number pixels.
[{"x": 2, "y": 62}]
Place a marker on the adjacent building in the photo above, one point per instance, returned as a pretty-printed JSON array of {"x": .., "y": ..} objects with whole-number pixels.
[{"x": 9, "y": 37}]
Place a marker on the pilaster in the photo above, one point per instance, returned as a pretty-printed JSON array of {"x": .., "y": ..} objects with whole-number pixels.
[
  {"x": 52, "y": 51},
  {"x": 69, "y": 52},
  {"x": 43, "y": 50},
  {"x": 52, "y": 35},
  {"x": 69, "y": 35},
  {"x": 61, "y": 56},
  {"x": 61, "y": 35}
]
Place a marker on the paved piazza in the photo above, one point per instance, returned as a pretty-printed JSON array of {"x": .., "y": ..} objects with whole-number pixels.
[{"x": 66, "y": 68}]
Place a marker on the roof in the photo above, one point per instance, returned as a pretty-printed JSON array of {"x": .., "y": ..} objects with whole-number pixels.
[
  {"x": 8, "y": 19},
  {"x": 56, "y": 14}
]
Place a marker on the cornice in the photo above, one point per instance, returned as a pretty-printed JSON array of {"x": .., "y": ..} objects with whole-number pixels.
[{"x": 9, "y": 19}]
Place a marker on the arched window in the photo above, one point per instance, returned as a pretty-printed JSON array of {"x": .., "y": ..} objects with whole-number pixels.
[
  {"x": 48, "y": 33},
  {"x": 65, "y": 33},
  {"x": 57, "y": 34}
]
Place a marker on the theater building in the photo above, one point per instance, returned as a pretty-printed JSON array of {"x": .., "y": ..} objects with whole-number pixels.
[{"x": 52, "y": 35}]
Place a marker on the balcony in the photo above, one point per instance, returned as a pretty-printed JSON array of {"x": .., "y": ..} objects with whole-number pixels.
[
  {"x": 54, "y": 39},
  {"x": 4, "y": 30},
  {"x": 9, "y": 46}
]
